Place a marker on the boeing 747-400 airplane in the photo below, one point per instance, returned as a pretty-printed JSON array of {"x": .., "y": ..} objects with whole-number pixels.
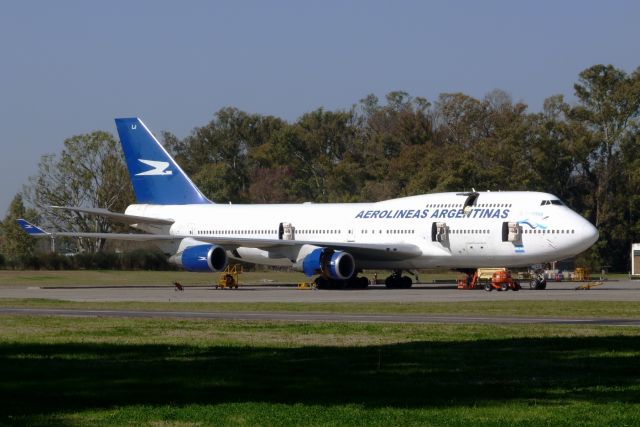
[{"x": 336, "y": 241}]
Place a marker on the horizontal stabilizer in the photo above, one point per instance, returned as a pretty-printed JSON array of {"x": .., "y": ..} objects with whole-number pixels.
[
  {"x": 117, "y": 217},
  {"x": 31, "y": 229}
]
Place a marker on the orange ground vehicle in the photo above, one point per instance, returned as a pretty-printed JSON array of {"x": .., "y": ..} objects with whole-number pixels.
[
  {"x": 502, "y": 281},
  {"x": 489, "y": 279}
]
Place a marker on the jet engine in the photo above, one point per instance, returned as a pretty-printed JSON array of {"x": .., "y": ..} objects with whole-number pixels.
[
  {"x": 201, "y": 258},
  {"x": 337, "y": 265}
]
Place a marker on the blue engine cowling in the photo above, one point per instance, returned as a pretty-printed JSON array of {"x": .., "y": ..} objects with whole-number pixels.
[
  {"x": 337, "y": 265},
  {"x": 203, "y": 258}
]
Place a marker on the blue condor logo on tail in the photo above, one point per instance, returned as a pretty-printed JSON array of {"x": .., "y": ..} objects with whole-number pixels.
[{"x": 438, "y": 213}]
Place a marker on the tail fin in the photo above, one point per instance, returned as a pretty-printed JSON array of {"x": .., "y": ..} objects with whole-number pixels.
[
  {"x": 155, "y": 176},
  {"x": 32, "y": 230}
]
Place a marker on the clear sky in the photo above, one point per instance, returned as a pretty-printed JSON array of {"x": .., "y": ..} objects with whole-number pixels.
[{"x": 70, "y": 67}]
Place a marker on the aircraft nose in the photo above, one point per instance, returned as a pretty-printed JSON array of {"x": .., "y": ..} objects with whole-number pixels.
[
  {"x": 592, "y": 233},
  {"x": 589, "y": 233}
]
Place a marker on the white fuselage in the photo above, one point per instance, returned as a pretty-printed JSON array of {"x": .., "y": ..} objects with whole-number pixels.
[{"x": 463, "y": 237}]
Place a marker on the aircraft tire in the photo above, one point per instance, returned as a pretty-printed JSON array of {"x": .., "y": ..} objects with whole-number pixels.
[
  {"x": 321, "y": 283},
  {"x": 538, "y": 284},
  {"x": 364, "y": 282},
  {"x": 390, "y": 282},
  {"x": 406, "y": 282}
]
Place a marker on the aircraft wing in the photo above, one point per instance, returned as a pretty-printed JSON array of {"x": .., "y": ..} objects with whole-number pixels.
[
  {"x": 35, "y": 231},
  {"x": 395, "y": 251},
  {"x": 118, "y": 217},
  {"x": 376, "y": 251}
]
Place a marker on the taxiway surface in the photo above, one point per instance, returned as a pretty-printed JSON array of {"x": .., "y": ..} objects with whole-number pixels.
[{"x": 622, "y": 290}]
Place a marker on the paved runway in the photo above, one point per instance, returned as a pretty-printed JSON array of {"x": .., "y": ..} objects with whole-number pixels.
[{"x": 623, "y": 290}]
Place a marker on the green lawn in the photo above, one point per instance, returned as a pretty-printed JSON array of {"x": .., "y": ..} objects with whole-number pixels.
[
  {"x": 166, "y": 372},
  {"x": 565, "y": 309}
]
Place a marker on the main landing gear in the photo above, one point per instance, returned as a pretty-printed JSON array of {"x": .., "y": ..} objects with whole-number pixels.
[
  {"x": 355, "y": 282},
  {"x": 398, "y": 281},
  {"x": 395, "y": 281}
]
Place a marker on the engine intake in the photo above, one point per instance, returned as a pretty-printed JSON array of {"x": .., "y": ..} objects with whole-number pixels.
[
  {"x": 337, "y": 265},
  {"x": 203, "y": 258}
]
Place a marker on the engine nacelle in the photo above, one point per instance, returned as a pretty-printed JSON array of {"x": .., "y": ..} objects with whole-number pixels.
[
  {"x": 202, "y": 258},
  {"x": 337, "y": 265}
]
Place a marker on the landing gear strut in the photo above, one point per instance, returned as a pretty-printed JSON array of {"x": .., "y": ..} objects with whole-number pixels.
[{"x": 398, "y": 281}]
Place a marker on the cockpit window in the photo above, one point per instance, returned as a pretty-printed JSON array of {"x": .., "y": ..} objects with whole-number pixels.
[{"x": 552, "y": 202}]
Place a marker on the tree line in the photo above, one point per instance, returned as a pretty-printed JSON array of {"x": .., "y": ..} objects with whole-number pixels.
[{"x": 586, "y": 152}]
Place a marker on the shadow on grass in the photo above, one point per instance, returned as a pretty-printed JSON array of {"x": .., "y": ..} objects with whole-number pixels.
[{"x": 44, "y": 379}]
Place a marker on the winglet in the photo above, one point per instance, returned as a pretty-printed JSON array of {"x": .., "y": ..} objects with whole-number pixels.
[
  {"x": 156, "y": 177},
  {"x": 32, "y": 230}
]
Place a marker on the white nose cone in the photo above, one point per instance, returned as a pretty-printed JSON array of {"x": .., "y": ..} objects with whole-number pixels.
[{"x": 588, "y": 234}]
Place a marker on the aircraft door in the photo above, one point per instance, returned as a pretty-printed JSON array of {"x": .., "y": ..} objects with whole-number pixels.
[
  {"x": 439, "y": 232},
  {"x": 511, "y": 232},
  {"x": 286, "y": 231},
  {"x": 351, "y": 236}
]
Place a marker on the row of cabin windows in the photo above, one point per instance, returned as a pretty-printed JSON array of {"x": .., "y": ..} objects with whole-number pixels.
[
  {"x": 459, "y": 205},
  {"x": 549, "y": 231},
  {"x": 253, "y": 232},
  {"x": 389, "y": 231},
  {"x": 469, "y": 231},
  {"x": 524, "y": 231},
  {"x": 235, "y": 232}
]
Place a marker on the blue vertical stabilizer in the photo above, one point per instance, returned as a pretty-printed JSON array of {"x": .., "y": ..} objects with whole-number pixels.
[{"x": 155, "y": 176}]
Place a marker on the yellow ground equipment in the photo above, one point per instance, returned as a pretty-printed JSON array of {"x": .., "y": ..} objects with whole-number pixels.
[
  {"x": 589, "y": 285},
  {"x": 229, "y": 277},
  {"x": 306, "y": 285},
  {"x": 580, "y": 275}
]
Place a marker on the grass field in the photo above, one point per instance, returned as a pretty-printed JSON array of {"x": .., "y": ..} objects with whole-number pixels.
[
  {"x": 565, "y": 309},
  {"x": 166, "y": 372}
]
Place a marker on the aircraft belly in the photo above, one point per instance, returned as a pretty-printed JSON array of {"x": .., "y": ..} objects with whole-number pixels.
[{"x": 259, "y": 256}]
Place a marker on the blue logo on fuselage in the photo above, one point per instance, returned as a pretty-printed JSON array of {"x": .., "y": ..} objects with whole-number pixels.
[{"x": 435, "y": 214}]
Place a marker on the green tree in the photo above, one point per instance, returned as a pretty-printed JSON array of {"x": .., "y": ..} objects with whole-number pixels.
[
  {"x": 217, "y": 154},
  {"x": 605, "y": 117},
  {"x": 393, "y": 140},
  {"x": 89, "y": 172},
  {"x": 17, "y": 245}
]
